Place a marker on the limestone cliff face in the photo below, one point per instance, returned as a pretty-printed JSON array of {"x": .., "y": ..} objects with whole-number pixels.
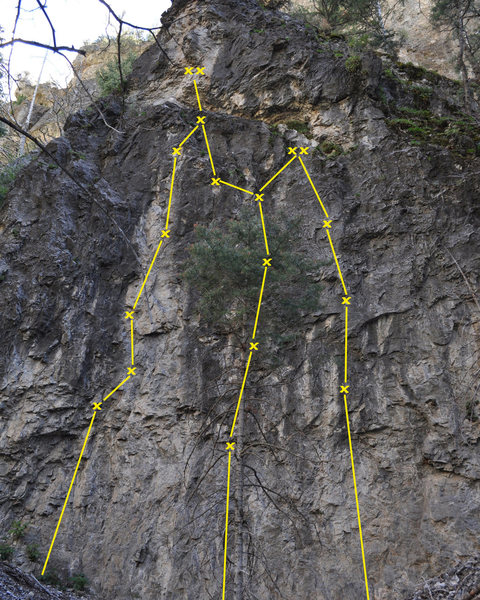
[{"x": 146, "y": 514}]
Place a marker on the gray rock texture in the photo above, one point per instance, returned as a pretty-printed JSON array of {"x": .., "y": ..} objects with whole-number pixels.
[{"x": 146, "y": 515}]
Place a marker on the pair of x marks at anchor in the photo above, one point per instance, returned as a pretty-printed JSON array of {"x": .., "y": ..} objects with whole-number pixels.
[
  {"x": 199, "y": 71},
  {"x": 303, "y": 150}
]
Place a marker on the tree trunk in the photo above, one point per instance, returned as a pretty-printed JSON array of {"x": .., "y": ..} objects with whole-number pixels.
[
  {"x": 239, "y": 517},
  {"x": 26, "y": 125},
  {"x": 461, "y": 64},
  {"x": 381, "y": 22}
]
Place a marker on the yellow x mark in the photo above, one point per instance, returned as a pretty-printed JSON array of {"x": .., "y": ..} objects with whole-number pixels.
[
  {"x": 253, "y": 346},
  {"x": 259, "y": 197},
  {"x": 230, "y": 445},
  {"x": 327, "y": 224},
  {"x": 215, "y": 181},
  {"x": 344, "y": 389},
  {"x": 304, "y": 150},
  {"x": 266, "y": 262},
  {"x": 292, "y": 150},
  {"x": 188, "y": 71},
  {"x": 131, "y": 370},
  {"x": 346, "y": 299},
  {"x": 200, "y": 70},
  {"x": 97, "y": 406},
  {"x": 129, "y": 315},
  {"x": 200, "y": 119},
  {"x": 176, "y": 152},
  {"x": 165, "y": 233}
]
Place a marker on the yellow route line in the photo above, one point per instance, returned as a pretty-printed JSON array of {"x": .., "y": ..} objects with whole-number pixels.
[
  {"x": 263, "y": 227},
  {"x": 346, "y": 341},
  {"x": 68, "y": 493},
  {"x": 236, "y": 187},
  {"x": 336, "y": 262},
  {"x": 313, "y": 187},
  {"x": 241, "y": 393},
  {"x": 278, "y": 172},
  {"x": 356, "y": 496},
  {"x": 198, "y": 97},
  {"x": 208, "y": 148},
  {"x": 259, "y": 302},
  {"x": 118, "y": 386},
  {"x": 161, "y": 241},
  {"x": 131, "y": 339},
  {"x": 148, "y": 273},
  {"x": 191, "y": 133},
  {"x": 226, "y": 526},
  {"x": 171, "y": 192}
]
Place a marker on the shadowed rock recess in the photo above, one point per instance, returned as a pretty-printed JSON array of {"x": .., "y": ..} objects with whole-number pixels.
[{"x": 146, "y": 515}]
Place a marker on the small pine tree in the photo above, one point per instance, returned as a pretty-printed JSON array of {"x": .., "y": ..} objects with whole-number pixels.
[
  {"x": 108, "y": 77},
  {"x": 225, "y": 267},
  {"x": 340, "y": 13},
  {"x": 362, "y": 20}
]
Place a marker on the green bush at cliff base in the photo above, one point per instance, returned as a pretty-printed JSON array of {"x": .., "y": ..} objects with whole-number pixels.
[
  {"x": 51, "y": 578},
  {"x": 79, "y": 582},
  {"x": 225, "y": 267}
]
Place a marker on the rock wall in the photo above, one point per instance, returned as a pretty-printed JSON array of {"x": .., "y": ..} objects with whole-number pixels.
[{"x": 146, "y": 514}]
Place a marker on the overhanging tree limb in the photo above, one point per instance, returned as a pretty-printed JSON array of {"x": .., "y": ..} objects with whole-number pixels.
[
  {"x": 43, "y": 9},
  {"x": 121, "y": 21},
  {"x": 87, "y": 91},
  {"x": 57, "y": 49}
]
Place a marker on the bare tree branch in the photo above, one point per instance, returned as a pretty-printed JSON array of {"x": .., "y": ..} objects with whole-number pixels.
[
  {"x": 56, "y": 49},
  {"x": 42, "y": 8}
]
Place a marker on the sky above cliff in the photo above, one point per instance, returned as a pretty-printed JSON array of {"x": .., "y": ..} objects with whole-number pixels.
[{"x": 75, "y": 22}]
